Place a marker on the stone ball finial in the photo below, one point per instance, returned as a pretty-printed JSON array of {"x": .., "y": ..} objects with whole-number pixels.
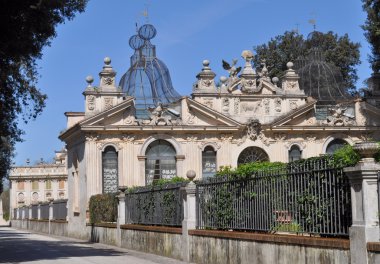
[
  {"x": 275, "y": 80},
  {"x": 290, "y": 65},
  {"x": 89, "y": 79},
  {"x": 206, "y": 63},
  {"x": 107, "y": 60},
  {"x": 190, "y": 174},
  {"x": 223, "y": 79},
  {"x": 247, "y": 54}
]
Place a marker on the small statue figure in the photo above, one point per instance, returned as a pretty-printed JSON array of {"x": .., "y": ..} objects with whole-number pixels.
[{"x": 233, "y": 71}]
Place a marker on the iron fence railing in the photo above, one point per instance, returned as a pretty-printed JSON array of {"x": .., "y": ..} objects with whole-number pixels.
[
  {"x": 60, "y": 209},
  {"x": 15, "y": 213},
  {"x": 44, "y": 211},
  {"x": 157, "y": 205},
  {"x": 34, "y": 211},
  {"x": 302, "y": 197}
]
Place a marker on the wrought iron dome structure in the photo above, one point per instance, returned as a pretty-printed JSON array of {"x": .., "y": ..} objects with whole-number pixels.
[
  {"x": 318, "y": 78},
  {"x": 148, "y": 79}
]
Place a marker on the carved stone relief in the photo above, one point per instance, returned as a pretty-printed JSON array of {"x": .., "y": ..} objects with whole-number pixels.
[
  {"x": 191, "y": 119},
  {"x": 215, "y": 145},
  {"x": 225, "y": 105},
  {"x": 91, "y": 102},
  {"x": 338, "y": 117},
  {"x": 108, "y": 102},
  {"x": 290, "y": 85},
  {"x": 226, "y": 137},
  {"x": 277, "y": 104},
  {"x": 208, "y": 102},
  {"x": 253, "y": 129},
  {"x": 236, "y": 105},
  {"x": 279, "y": 136},
  {"x": 266, "y": 106},
  {"x": 108, "y": 81},
  {"x": 293, "y": 105}
]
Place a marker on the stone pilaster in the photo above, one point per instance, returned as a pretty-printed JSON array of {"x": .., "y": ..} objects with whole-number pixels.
[{"x": 364, "y": 198}]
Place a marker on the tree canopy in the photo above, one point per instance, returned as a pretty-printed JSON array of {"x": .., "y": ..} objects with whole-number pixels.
[
  {"x": 340, "y": 51},
  {"x": 372, "y": 31},
  {"x": 26, "y": 26}
]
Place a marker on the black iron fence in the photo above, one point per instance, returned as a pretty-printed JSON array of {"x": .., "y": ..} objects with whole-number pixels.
[
  {"x": 34, "y": 211},
  {"x": 157, "y": 205},
  {"x": 60, "y": 209},
  {"x": 15, "y": 213},
  {"x": 312, "y": 197},
  {"x": 44, "y": 211},
  {"x": 26, "y": 212}
]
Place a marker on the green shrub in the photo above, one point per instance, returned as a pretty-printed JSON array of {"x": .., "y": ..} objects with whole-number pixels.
[
  {"x": 103, "y": 208},
  {"x": 345, "y": 156},
  {"x": 5, "y": 200}
]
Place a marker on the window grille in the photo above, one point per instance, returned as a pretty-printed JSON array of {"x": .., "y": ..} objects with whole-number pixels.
[
  {"x": 208, "y": 162},
  {"x": 335, "y": 145},
  {"x": 110, "y": 170},
  {"x": 295, "y": 153},
  {"x": 48, "y": 184},
  {"x": 252, "y": 154},
  {"x": 160, "y": 161}
]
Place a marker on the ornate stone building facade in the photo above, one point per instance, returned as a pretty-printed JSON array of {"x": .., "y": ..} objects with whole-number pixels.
[
  {"x": 141, "y": 130},
  {"x": 31, "y": 184}
]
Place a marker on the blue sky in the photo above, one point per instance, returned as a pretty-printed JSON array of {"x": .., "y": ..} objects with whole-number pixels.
[{"x": 188, "y": 32}]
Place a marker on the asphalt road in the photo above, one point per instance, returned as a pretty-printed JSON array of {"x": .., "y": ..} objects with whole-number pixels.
[{"x": 20, "y": 246}]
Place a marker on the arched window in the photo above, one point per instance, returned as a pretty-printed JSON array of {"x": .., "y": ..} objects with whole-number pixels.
[
  {"x": 295, "y": 153},
  {"x": 110, "y": 175},
  {"x": 160, "y": 161},
  {"x": 208, "y": 162},
  {"x": 335, "y": 145},
  {"x": 252, "y": 154}
]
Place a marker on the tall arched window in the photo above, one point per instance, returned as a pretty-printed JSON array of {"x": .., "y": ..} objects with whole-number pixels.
[
  {"x": 110, "y": 175},
  {"x": 295, "y": 153},
  {"x": 335, "y": 145},
  {"x": 252, "y": 154},
  {"x": 208, "y": 162},
  {"x": 160, "y": 161}
]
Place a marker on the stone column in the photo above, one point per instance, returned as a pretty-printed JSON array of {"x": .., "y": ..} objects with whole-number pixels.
[
  {"x": 364, "y": 198},
  {"x": 189, "y": 210},
  {"x": 51, "y": 216},
  {"x": 120, "y": 214}
]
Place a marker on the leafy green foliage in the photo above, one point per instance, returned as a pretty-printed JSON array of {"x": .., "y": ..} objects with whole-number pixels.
[
  {"x": 103, "y": 208},
  {"x": 26, "y": 28},
  {"x": 372, "y": 31},
  {"x": 249, "y": 169},
  {"x": 346, "y": 156},
  {"x": 162, "y": 182},
  {"x": 6, "y": 204},
  {"x": 337, "y": 50}
]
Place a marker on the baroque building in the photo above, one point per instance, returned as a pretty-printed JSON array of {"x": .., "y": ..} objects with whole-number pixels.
[
  {"x": 141, "y": 129},
  {"x": 31, "y": 184}
]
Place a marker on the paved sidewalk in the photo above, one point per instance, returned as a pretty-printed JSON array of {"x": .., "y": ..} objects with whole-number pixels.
[{"x": 20, "y": 246}]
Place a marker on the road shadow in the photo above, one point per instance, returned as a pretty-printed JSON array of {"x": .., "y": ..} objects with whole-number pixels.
[{"x": 18, "y": 247}]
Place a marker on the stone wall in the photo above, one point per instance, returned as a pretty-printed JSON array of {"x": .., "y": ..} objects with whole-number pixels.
[
  {"x": 55, "y": 227},
  {"x": 225, "y": 247},
  {"x": 373, "y": 252},
  {"x": 164, "y": 241},
  {"x": 102, "y": 233}
]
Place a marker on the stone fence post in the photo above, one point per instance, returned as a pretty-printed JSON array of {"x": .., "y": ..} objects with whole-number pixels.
[
  {"x": 39, "y": 211},
  {"x": 189, "y": 210},
  {"x": 364, "y": 198},
  {"x": 51, "y": 211},
  {"x": 18, "y": 213},
  {"x": 120, "y": 214},
  {"x": 30, "y": 212}
]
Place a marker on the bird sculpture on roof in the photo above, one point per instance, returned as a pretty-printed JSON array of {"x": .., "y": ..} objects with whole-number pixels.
[{"x": 232, "y": 70}]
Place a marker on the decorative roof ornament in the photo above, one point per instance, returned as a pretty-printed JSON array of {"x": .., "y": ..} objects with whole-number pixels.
[
  {"x": 248, "y": 75},
  {"x": 107, "y": 76},
  {"x": 233, "y": 80},
  {"x": 338, "y": 117},
  {"x": 148, "y": 78},
  {"x": 205, "y": 83},
  {"x": 253, "y": 129},
  {"x": 290, "y": 83}
]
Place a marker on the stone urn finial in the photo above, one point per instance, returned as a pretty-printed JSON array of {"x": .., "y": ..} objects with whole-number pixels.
[
  {"x": 190, "y": 174},
  {"x": 122, "y": 189},
  {"x": 367, "y": 150}
]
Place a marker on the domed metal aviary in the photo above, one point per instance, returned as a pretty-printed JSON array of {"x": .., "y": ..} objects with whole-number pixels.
[
  {"x": 148, "y": 78},
  {"x": 319, "y": 79}
]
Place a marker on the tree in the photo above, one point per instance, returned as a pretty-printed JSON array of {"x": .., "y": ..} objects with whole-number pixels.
[
  {"x": 337, "y": 50},
  {"x": 26, "y": 26},
  {"x": 372, "y": 31}
]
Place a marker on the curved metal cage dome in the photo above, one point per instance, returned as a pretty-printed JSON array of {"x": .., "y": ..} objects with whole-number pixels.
[
  {"x": 318, "y": 78},
  {"x": 148, "y": 78}
]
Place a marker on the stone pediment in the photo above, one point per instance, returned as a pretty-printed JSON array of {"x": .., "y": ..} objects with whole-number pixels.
[
  {"x": 200, "y": 114},
  {"x": 115, "y": 115},
  {"x": 301, "y": 116}
]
